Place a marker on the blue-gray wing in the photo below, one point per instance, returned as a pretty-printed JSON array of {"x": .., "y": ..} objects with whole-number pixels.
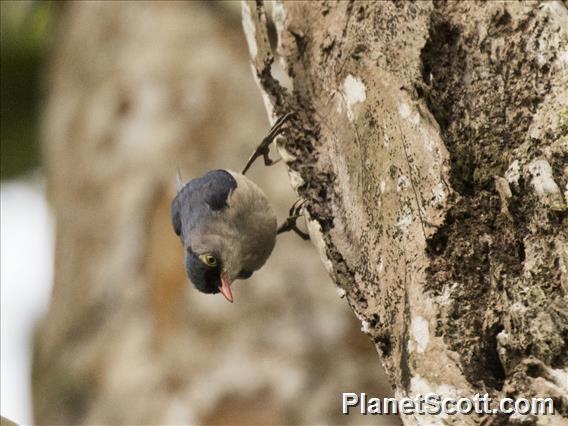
[{"x": 200, "y": 197}]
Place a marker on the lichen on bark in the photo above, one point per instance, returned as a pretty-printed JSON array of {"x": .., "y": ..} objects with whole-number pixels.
[{"x": 430, "y": 148}]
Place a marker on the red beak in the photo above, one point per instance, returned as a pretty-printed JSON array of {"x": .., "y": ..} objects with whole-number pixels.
[{"x": 225, "y": 288}]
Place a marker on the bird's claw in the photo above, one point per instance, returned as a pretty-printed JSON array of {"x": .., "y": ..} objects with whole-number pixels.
[
  {"x": 264, "y": 147},
  {"x": 290, "y": 222}
]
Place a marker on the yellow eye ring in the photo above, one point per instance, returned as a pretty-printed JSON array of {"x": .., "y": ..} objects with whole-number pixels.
[{"x": 209, "y": 260}]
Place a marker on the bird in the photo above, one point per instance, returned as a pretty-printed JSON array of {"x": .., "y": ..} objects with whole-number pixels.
[{"x": 226, "y": 224}]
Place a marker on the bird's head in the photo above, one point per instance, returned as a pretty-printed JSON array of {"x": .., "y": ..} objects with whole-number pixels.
[
  {"x": 227, "y": 228},
  {"x": 212, "y": 266}
]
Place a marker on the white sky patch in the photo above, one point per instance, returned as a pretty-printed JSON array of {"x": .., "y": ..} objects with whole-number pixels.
[
  {"x": 354, "y": 92},
  {"x": 249, "y": 29},
  {"x": 421, "y": 333},
  {"x": 365, "y": 327},
  {"x": 340, "y": 292},
  {"x": 382, "y": 186},
  {"x": 27, "y": 239}
]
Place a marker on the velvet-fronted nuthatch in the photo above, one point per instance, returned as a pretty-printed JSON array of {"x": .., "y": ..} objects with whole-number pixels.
[{"x": 226, "y": 224}]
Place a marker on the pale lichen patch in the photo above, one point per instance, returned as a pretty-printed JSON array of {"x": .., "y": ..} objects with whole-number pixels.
[
  {"x": 269, "y": 107},
  {"x": 354, "y": 92},
  {"x": 560, "y": 378},
  {"x": 438, "y": 194},
  {"x": 513, "y": 173},
  {"x": 563, "y": 57},
  {"x": 249, "y": 29},
  {"x": 419, "y": 385},
  {"x": 404, "y": 110},
  {"x": 295, "y": 179},
  {"x": 365, "y": 327},
  {"x": 265, "y": 97},
  {"x": 279, "y": 15},
  {"x": 386, "y": 140},
  {"x": 406, "y": 113},
  {"x": 542, "y": 178},
  {"x": 544, "y": 184},
  {"x": 340, "y": 292},
  {"x": 502, "y": 343},
  {"x": 402, "y": 183},
  {"x": 555, "y": 9},
  {"x": 283, "y": 152},
  {"x": 427, "y": 140},
  {"x": 316, "y": 237},
  {"x": 421, "y": 333},
  {"x": 502, "y": 187},
  {"x": 404, "y": 219}
]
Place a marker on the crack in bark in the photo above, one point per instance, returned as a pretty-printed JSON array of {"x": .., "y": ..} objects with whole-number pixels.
[{"x": 419, "y": 207}]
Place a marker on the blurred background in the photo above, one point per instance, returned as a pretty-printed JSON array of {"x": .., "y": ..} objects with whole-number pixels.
[{"x": 100, "y": 103}]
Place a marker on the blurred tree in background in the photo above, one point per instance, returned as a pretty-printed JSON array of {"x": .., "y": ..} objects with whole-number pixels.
[{"x": 136, "y": 90}]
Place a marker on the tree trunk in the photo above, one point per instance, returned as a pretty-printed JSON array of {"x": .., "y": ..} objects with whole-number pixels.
[
  {"x": 430, "y": 145},
  {"x": 136, "y": 90}
]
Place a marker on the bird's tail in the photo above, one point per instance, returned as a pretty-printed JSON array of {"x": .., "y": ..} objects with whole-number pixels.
[{"x": 179, "y": 181}]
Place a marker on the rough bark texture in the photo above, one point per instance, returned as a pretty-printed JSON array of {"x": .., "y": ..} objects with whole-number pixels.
[
  {"x": 136, "y": 90},
  {"x": 430, "y": 145}
]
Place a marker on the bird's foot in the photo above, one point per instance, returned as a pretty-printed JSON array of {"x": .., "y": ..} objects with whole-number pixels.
[
  {"x": 263, "y": 148},
  {"x": 290, "y": 223}
]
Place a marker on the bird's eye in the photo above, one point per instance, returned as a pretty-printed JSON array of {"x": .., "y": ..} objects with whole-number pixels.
[{"x": 209, "y": 260}]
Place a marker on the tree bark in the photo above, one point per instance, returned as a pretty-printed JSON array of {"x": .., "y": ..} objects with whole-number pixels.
[{"x": 430, "y": 145}]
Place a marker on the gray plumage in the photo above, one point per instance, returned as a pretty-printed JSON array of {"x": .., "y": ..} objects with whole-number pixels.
[{"x": 225, "y": 217}]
